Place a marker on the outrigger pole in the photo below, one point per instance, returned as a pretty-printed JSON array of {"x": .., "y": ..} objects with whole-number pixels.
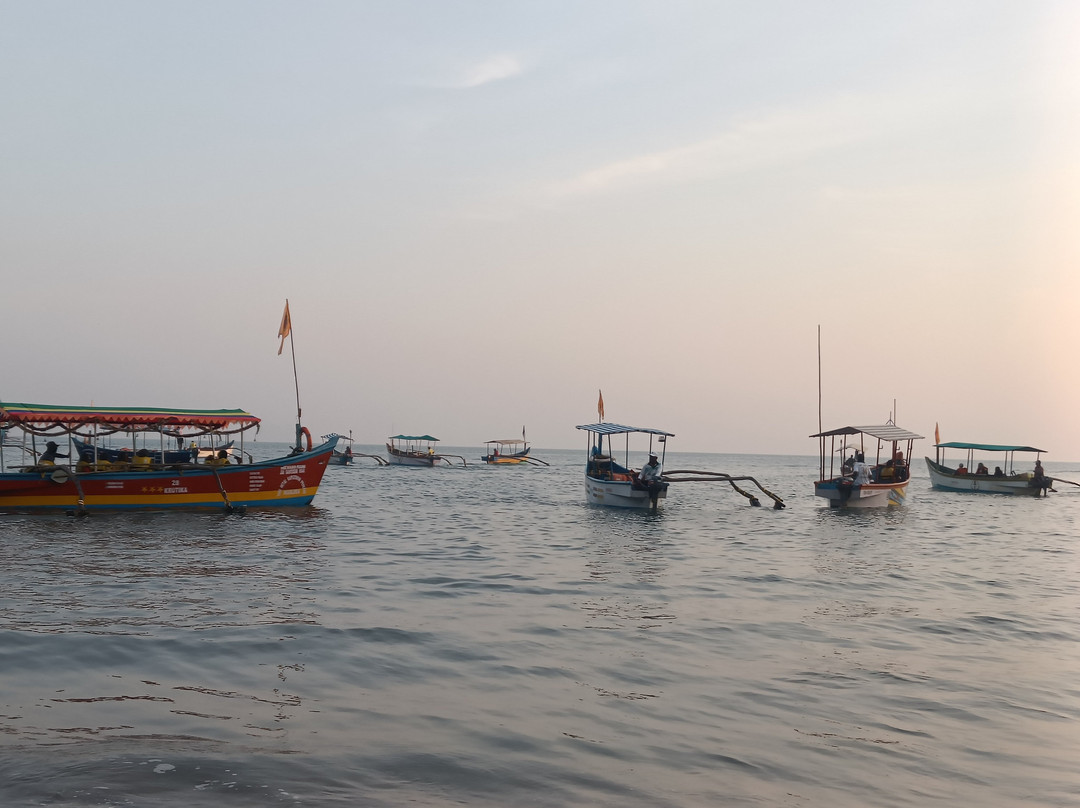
[{"x": 286, "y": 331}]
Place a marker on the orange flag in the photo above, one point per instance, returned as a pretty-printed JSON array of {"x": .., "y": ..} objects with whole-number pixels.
[
  {"x": 600, "y": 405},
  {"x": 937, "y": 435},
  {"x": 286, "y": 327}
]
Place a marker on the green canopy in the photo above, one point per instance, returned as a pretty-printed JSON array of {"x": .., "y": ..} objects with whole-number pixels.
[
  {"x": 988, "y": 447},
  {"x": 413, "y": 437}
]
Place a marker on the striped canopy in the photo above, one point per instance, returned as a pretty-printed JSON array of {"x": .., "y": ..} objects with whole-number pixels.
[{"x": 52, "y": 419}]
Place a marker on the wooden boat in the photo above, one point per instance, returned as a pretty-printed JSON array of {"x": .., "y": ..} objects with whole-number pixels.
[
  {"x": 608, "y": 482},
  {"x": 416, "y": 450},
  {"x": 83, "y": 484},
  {"x": 192, "y": 454},
  {"x": 1004, "y": 479},
  {"x": 341, "y": 457},
  {"x": 505, "y": 452},
  {"x": 858, "y": 483}
]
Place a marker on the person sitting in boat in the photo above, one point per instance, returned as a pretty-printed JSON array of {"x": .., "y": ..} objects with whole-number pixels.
[
  {"x": 961, "y": 469},
  {"x": 649, "y": 476},
  {"x": 982, "y": 469},
  {"x": 998, "y": 472},
  {"x": 48, "y": 457},
  {"x": 898, "y": 465},
  {"x": 220, "y": 459}
]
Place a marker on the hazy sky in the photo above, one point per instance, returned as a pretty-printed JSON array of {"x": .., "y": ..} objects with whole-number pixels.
[{"x": 484, "y": 212}]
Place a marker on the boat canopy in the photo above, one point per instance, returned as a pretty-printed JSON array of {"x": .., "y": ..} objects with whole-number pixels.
[
  {"x": 887, "y": 432},
  {"x": 988, "y": 447},
  {"x": 508, "y": 442},
  {"x": 46, "y": 419},
  {"x": 618, "y": 429},
  {"x": 412, "y": 437}
]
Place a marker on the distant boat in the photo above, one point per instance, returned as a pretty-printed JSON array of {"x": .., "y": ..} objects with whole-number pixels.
[
  {"x": 858, "y": 483},
  {"x": 191, "y": 454},
  {"x": 341, "y": 457},
  {"x": 608, "y": 482},
  {"x": 509, "y": 452},
  {"x": 416, "y": 450},
  {"x": 1004, "y": 479}
]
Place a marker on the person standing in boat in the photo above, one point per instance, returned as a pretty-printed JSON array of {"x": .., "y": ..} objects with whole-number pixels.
[{"x": 1040, "y": 480}]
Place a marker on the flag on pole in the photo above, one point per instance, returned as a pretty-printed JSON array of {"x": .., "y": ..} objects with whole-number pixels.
[
  {"x": 286, "y": 327},
  {"x": 600, "y": 406},
  {"x": 523, "y": 433},
  {"x": 937, "y": 435}
]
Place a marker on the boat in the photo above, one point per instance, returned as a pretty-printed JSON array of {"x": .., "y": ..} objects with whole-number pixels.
[
  {"x": 82, "y": 483},
  {"x": 192, "y": 454},
  {"x": 608, "y": 482},
  {"x": 1004, "y": 479},
  {"x": 859, "y": 483},
  {"x": 416, "y": 450},
  {"x": 341, "y": 457}
]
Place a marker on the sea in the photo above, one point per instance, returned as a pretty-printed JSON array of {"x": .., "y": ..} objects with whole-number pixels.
[{"x": 481, "y": 636}]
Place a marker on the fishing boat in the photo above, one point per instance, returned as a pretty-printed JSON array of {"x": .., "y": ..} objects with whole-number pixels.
[
  {"x": 86, "y": 481},
  {"x": 341, "y": 457},
  {"x": 608, "y": 482},
  {"x": 508, "y": 451},
  {"x": 416, "y": 450},
  {"x": 1004, "y": 479},
  {"x": 858, "y": 483},
  {"x": 192, "y": 454}
]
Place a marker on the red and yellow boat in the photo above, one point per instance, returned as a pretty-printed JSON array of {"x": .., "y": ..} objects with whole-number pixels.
[{"x": 39, "y": 475}]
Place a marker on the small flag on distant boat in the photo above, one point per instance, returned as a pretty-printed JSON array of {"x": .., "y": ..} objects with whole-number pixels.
[
  {"x": 600, "y": 406},
  {"x": 286, "y": 327}
]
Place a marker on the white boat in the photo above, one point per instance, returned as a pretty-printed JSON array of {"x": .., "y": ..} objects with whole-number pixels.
[
  {"x": 608, "y": 482},
  {"x": 416, "y": 450},
  {"x": 858, "y": 483},
  {"x": 1003, "y": 479}
]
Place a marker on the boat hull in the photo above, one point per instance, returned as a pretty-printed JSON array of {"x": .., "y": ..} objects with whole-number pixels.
[
  {"x": 842, "y": 493},
  {"x": 619, "y": 494},
  {"x": 943, "y": 479},
  {"x": 399, "y": 459},
  {"x": 283, "y": 482}
]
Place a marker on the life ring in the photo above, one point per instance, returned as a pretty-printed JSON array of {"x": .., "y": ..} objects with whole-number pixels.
[{"x": 307, "y": 434}]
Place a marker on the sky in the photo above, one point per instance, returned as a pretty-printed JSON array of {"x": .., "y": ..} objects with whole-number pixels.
[{"x": 483, "y": 213}]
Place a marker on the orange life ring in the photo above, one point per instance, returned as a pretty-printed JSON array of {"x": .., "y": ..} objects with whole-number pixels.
[{"x": 307, "y": 434}]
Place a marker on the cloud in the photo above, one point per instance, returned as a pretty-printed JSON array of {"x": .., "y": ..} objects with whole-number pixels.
[
  {"x": 753, "y": 141},
  {"x": 497, "y": 68}
]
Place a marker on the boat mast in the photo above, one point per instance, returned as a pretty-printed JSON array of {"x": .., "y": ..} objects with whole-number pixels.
[{"x": 286, "y": 331}]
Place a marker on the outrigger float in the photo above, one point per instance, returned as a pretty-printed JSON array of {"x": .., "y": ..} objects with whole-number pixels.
[
  {"x": 417, "y": 450},
  {"x": 608, "y": 482},
  {"x": 859, "y": 484},
  {"x": 88, "y": 481}
]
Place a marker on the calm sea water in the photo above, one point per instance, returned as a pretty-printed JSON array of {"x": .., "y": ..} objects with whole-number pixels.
[{"x": 482, "y": 637}]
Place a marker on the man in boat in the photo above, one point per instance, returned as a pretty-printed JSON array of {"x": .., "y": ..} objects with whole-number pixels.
[
  {"x": 649, "y": 476},
  {"x": 982, "y": 469},
  {"x": 52, "y": 451},
  {"x": 1040, "y": 480},
  {"x": 898, "y": 465}
]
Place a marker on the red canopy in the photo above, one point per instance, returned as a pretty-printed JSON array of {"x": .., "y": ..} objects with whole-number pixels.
[{"x": 52, "y": 419}]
